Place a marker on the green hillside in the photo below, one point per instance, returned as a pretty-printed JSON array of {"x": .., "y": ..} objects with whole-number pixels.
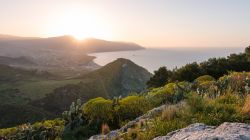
[
  {"x": 17, "y": 114},
  {"x": 118, "y": 78},
  {"x": 10, "y": 74},
  {"x": 54, "y": 94},
  {"x": 20, "y": 86}
]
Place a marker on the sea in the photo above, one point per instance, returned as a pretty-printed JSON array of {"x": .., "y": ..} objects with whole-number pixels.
[{"x": 153, "y": 58}]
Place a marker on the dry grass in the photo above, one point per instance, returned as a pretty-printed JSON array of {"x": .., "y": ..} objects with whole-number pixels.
[
  {"x": 170, "y": 112},
  {"x": 246, "y": 107},
  {"x": 105, "y": 129}
]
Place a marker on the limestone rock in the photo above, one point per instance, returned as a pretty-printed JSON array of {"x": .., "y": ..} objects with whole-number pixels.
[{"x": 199, "y": 131}]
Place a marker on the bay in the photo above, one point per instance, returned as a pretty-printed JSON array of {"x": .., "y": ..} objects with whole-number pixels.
[{"x": 153, "y": 58}]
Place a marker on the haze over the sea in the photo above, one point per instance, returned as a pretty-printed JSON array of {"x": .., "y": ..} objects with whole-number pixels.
[{"x": 153, "y": 58}]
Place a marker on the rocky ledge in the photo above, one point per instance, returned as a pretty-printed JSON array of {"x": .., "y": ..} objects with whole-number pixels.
[{"x": 199, "y": 131}]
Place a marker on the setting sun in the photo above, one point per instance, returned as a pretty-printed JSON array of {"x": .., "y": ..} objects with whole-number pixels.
[{"x": 80, "y": 24}]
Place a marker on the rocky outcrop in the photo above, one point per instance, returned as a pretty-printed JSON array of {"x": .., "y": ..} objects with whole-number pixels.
[
  {"x": 199, "y": 131},
  {"x": 114, "y": 134}
]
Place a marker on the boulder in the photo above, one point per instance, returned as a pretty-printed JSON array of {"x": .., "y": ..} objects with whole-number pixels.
[{"x": 199, "y": 131}]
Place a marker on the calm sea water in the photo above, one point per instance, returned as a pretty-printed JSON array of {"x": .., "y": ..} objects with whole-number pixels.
[{"x": 153, "y": 58}]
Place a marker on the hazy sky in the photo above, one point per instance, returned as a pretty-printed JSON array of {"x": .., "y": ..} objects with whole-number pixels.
[{"x": 147, "y": 22}]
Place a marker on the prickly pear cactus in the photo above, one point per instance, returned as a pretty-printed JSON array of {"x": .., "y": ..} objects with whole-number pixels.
[{"x": 73, "y": 118}]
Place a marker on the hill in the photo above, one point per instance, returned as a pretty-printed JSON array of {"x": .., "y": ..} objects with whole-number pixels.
[
  {"x": 121, "y": 76},
  {"x": 98, "y": 45},
  {"x": 118, "y": 78}
]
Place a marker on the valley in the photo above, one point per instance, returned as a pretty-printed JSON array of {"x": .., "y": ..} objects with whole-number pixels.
[{"x": 35, "y": 73}]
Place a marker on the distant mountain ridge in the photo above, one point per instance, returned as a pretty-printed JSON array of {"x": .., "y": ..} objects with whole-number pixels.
[
  {"x": 67, "y": 42},
  {"x": 4, "y": 37}
]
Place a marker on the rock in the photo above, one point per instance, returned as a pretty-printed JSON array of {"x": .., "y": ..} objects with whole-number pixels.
[
  {"x": 116, "y": 133},
  {"x": 110, "y": 136},
  {"x": 149, "y": 115},
  {"x": 113, "y": 134},
  {"x": 98, "y": 137},
  {"x": 199, "y": 131}
]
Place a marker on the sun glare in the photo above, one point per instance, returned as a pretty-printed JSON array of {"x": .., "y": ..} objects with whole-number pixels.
[{"x": 81, "y": 25}]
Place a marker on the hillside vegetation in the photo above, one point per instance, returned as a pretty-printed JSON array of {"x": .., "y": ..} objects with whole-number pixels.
[
  {"x": 118, "y": 78},
  {"x": 29, "y": 90},
  {"x": 204, "y": 100}
]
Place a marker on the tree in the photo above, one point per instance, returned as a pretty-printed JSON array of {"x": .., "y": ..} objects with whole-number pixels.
[
  {"x": 160, "y": 78},
  {"x": 215, "y": 67},
  {"x": 188, "y": 72},
  {"x": 247, "y": 52}
]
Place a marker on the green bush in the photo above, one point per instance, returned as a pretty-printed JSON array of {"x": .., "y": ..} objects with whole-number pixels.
[
  {"x": 203, "y": 78},
  {"x": 99, "y": 109},
  {"x": 132, "y": 106}
]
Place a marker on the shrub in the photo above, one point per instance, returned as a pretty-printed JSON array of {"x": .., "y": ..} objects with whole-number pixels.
[
  {"x": 99, "y": 109},
  {"x": 159, "y": 96},
  {"x": 196, "y": 102},
  {"x": 50, "y": 129},
  {"x": 132, "y": 107},
  {"x": 225, "y": 108},
  {"x": 235, "y": 82},
  {"x": 203, "y": 78}
]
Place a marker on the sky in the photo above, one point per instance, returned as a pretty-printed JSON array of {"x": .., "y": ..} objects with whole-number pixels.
[{"x": 151, "y": 23}]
